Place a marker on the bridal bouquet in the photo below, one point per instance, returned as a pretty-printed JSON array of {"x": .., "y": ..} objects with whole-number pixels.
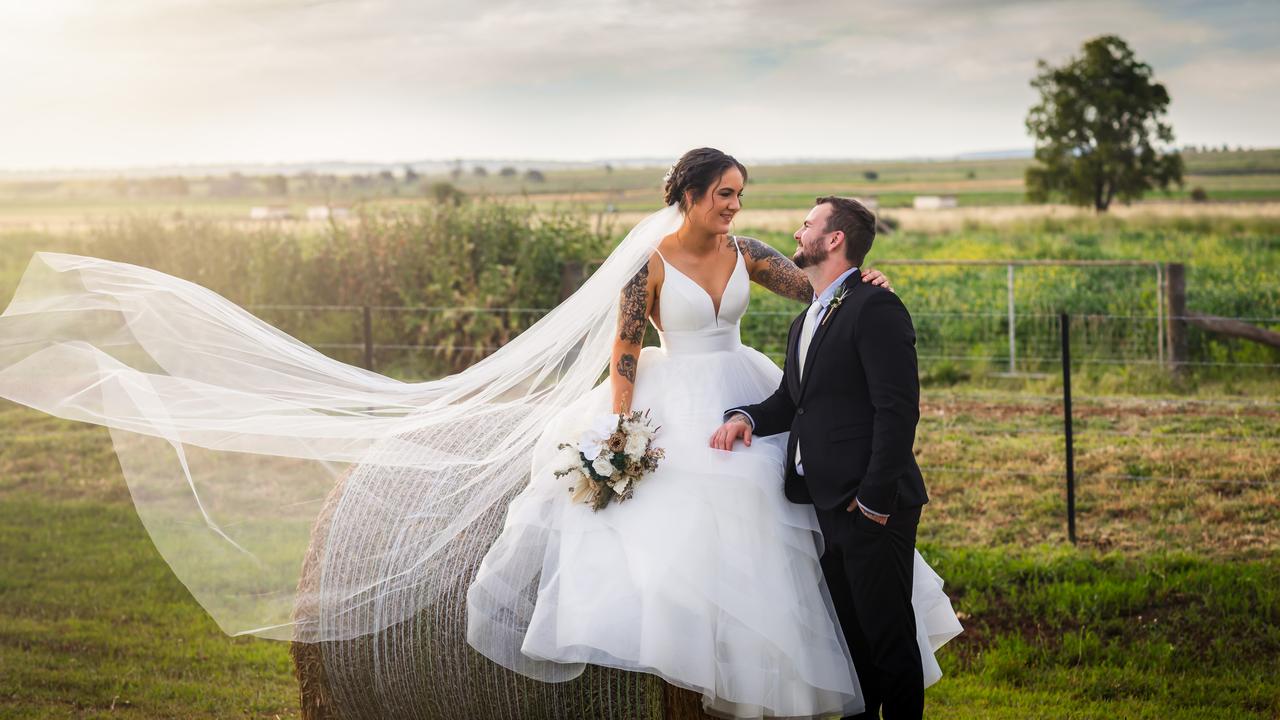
[{"x": 610, "y": 458}]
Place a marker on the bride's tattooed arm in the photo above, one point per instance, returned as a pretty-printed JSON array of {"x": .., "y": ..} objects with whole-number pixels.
[
  {"x": 634, "y": 306},
  {"x": 774, "y": 271}
]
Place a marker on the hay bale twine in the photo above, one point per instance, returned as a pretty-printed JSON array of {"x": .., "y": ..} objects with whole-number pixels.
[{"x": 424, "y": 668}]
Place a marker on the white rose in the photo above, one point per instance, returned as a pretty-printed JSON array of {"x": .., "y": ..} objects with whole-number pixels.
[
  {"x": 603, "y": 466},
  {"x": 594, "y": 437},
  {"x": 568, "y": 459},
  {"x": 635, "y": 446}
]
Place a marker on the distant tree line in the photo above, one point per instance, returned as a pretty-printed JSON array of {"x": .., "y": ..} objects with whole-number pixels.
[{"x": 276, "y": 185}]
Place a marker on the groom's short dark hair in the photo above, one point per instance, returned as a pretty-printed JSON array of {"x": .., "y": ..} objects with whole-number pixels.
[{"x": 856, "y": 222}]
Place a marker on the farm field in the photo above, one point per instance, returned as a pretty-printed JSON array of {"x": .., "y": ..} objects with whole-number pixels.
[
  {"x": 1228, "y": 179},
  {"x": 1167, "y": 607}
]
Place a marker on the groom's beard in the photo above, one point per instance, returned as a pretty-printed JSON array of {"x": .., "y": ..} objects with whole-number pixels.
[{"x": 807, "y": 258}]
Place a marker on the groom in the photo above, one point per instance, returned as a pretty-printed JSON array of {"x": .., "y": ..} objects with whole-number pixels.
[{"x": 850, "y": 397}]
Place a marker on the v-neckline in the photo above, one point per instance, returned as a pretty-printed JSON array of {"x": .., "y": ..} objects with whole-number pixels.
[{"x": 715, "y": 306}]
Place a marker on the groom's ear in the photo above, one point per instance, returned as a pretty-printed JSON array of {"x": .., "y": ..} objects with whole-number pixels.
[{"x": 836, "y": 241}]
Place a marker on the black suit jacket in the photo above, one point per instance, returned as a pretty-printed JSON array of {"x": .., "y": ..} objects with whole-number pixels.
[{"x": 854, "y": 416}]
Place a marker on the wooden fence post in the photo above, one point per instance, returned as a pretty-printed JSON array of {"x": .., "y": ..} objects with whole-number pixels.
[
  {"x": 571, "y": 276},
  {"x": 1176, "y": 315},
  {"x": 368, "y": 338}
]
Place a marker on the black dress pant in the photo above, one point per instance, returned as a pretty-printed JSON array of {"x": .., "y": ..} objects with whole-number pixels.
[{"x": 868, "y": 567}]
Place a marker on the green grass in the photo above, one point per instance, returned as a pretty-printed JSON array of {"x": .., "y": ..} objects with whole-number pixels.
[
  {"x": 90, "y": 615},
  {"x": 91, "y": 620},
  {"x": 1059, "y": 633}
]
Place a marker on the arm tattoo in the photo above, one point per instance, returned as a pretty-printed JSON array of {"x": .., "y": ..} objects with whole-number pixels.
[
  {"x": 776, "y": 272},
  {"x": 627, "y": 367},
  {"x": 633, "y": 307}
]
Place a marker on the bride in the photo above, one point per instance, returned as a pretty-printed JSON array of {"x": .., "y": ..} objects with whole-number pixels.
[{"x": 708, "y": 577}]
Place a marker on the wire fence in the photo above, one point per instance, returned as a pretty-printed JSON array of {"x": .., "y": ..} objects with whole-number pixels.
[
  {"x": 398, "y": 339},
  {"x": 992, "y": 420},
  {"x": 1153, "y": 460}
]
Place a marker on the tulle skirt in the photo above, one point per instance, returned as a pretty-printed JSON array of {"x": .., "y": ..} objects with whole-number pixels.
[{"x": 708, "y": 577}]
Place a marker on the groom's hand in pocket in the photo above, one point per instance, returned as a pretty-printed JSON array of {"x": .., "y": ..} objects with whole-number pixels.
[
  {"x": 855, "y": 506},
  {"x": 728, "y": 433}
]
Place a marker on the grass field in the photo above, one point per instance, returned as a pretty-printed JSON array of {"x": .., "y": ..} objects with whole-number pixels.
[{"x": 1169, "y": 606}]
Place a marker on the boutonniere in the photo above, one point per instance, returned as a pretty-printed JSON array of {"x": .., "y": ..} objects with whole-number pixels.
[{"x": 835, "y": 303}]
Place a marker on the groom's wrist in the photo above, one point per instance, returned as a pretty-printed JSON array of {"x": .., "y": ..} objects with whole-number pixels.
[
  {"x": 738, "y": 415},
  {"x": 869, "y": 511}
]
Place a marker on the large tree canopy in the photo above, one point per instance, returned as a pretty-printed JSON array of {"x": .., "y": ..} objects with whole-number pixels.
[{"x": 1099, "y": 129}]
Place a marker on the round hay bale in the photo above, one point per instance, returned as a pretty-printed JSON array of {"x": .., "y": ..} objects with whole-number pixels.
[{"x": 424, "y": 668}]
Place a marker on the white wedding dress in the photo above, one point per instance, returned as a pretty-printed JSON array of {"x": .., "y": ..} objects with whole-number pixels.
[{"x": 708, "y": 576}]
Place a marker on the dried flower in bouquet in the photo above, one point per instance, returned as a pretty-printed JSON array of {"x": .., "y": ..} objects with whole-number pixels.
[{"x": 610, "y": 458}]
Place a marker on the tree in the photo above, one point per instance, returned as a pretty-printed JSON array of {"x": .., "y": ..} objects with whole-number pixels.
[
  {"x": 507, "y": 172},
  {"x": 276, "y": 184},
  {"x": 445, "y": 193},
  {"x": 1099, "y": 129}
]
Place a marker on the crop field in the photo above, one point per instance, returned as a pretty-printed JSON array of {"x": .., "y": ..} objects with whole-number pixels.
[{"x": 992, "y": 186}]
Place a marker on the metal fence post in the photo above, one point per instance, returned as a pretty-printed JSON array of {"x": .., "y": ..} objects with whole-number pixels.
[
  {"x": 1013, "y": 347},
  {"x": 1065, "y": 320}
]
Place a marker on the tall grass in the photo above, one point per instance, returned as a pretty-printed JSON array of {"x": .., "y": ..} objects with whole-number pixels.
[
  {"x": 1233, "y": 270},
  {"x": 479, "y": 264},
  {"x": 479, "y": 272}
]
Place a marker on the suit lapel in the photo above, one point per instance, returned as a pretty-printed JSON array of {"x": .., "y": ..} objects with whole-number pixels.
[{"x": 820, "y": 332}]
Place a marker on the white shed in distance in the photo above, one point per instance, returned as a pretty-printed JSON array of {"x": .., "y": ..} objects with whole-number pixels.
[
  {"x": 270, "y": 212},
  {"x": 933, "y": 202},
  {"x": 327, "y": 212}
]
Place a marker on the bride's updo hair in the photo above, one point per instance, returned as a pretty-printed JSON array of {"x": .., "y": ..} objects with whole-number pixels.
[{"x": 697, "y": 170}]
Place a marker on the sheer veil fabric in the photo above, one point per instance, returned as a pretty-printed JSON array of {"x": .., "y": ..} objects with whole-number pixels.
[{"x": 230, "y": 435}]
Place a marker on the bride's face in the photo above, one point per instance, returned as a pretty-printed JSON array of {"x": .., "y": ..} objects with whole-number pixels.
[{"x": 719, "y": 204}]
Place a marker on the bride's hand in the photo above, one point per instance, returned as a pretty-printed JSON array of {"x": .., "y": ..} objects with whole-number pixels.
[
  {"x": 877, "y": 278},
  {"x": 727, "y": 434}
]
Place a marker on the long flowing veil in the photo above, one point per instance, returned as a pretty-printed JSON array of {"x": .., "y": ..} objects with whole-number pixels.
[{"x": 232, "y": 434}]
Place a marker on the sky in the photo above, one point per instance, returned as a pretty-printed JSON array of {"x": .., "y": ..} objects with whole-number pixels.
[{"x": 128, "y": 83}]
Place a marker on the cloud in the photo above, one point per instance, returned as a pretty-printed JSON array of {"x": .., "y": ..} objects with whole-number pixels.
[{"x": 161, "y": 80}]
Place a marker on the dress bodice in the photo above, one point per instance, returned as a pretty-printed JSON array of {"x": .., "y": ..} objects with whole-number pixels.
[{"x": 690, "y": 322}]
